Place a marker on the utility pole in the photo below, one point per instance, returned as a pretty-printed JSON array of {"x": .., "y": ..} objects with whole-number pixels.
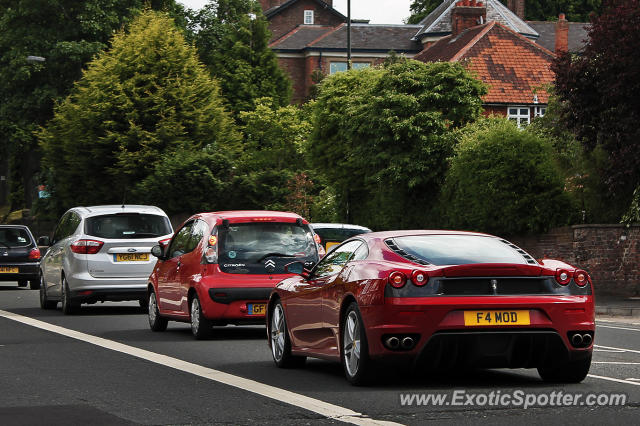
[{"x": 348, "y": 34}]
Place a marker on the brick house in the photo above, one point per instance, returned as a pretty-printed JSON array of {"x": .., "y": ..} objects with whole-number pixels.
[
  {"x": 511, "y": 56},
  {"x": 310, "y": 35},
  {"x": 514, "y": 67}
]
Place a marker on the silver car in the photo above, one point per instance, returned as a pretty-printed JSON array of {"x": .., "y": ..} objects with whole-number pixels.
[{"x": 101, "y": 253}]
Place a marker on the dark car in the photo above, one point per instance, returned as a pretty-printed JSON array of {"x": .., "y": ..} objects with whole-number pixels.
[
  {"x": 19, "y": 256},
  {"x": 435, "y": 299},
  {"x": 332, "y": 234}
]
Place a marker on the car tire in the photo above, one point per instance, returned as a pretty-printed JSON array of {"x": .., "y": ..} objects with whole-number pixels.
[
  {"x": 156, "y": 322},
  {"x": 34, "y": 284},
  {"x": 568, "y": 372},
  {"x": 22, "y": 283},
  {"x": 45, "y": 303},
  {"x": 69, "y": 306},
  {"x": 201, "y": 327},
  {"x": 280, "y": 340},
  {"x": 354, "y": 352}
]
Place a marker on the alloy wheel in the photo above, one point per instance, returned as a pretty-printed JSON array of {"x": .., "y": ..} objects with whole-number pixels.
[
  {"x": 352, "y": 343},
  {"x": 277, "y": 332}
]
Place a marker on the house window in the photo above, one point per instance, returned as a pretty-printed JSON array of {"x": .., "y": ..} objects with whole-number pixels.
[
  {"x": 342, "y": 66},
  {"x": 518, "y": 114},
  {"x": 308, "y": 17},
  {"x": 539, "y": 111}
]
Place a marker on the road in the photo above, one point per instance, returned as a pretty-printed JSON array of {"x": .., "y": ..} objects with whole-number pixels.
[{"x": 105, "y": 367}]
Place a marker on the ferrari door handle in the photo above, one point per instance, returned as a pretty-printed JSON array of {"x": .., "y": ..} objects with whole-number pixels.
[{"x": 178, "y": 265}]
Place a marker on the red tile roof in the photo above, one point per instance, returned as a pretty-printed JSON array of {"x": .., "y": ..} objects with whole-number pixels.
[{"x": 512, "y": 66}]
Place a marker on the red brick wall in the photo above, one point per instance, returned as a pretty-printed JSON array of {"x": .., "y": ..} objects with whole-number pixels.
[
  {"x": 295, "y": 68},
  {"x": 610, "y": 253},
  {"x": 293, "y": 16}
]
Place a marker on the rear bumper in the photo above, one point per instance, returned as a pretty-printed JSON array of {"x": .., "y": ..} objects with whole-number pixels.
[
  {"x": 84, "y": 287},
  {"x": 26, "y": 271},
  {"x": 239, "y": 305},
  {"x": 441, "y": 337}
]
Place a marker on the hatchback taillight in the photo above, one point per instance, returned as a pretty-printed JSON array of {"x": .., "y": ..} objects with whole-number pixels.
[
  {"x": 86, "y": 246},
  {"x": 34, "y": 254},
  {"x": 211, "y": 253}
]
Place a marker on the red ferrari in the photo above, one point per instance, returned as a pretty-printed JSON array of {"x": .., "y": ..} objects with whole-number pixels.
[{"x": 438, "y": 299}]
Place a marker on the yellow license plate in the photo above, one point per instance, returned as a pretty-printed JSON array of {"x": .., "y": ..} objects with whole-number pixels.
[
  {"x": 329, "y": 245},
  {"x": 132, "y": 257},
  {"x": 257, "y": 308},
  {"x": 8, "y": 270},
  {"x": 472, "y": 318}
]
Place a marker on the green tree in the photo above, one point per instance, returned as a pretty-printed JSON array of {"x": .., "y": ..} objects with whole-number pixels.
[
  {"x": 146, "y": 97},
  {"x": 273, "y": 153},
  {"x": 600, "y": 96},
  {"x": 381, "y": 137},
  {"x": 420, "y": 9},
  {"x": 503, "y": 180},
  {"x": 232, "y": 37},
  {"x": 68, "y": 33}
]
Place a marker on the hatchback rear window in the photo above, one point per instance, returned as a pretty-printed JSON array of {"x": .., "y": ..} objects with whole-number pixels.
[
  {"x": 264, "y": 248},
  {"x": 14, "y": 237},
  {"x": 458, "y": 249},
  {"x": 127, "y": 226}
]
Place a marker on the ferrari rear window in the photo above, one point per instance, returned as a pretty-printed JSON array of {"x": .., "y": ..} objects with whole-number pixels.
[{"x": 458, "y": 249}]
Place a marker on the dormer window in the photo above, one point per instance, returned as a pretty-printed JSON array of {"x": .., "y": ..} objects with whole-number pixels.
[{"x": 308, "y": 17}]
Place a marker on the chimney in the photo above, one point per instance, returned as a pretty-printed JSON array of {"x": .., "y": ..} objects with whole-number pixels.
[
  {"x": 562, "y": 35},
  {"x": 517, "y": 7},
  {"x": 467, "y": 14}
]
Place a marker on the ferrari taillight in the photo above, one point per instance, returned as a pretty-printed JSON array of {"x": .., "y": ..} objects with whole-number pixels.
[
  {"x": 419, "y": 278},
  {"x": 581, "y": 277},
  {"x": 397, "y": 279},
  {"x": 563, "y": 276}
]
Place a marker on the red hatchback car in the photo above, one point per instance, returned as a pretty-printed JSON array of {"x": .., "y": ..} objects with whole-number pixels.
[
  {"x": 438, "y": 299},
  {"x": 219, "y": 268}
]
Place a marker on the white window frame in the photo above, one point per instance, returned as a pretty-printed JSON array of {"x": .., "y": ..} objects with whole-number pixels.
[
  {"x": 539, "y": 111},
  {"x": 520, "y": 118},
  {"x": 308, "y": 17}
]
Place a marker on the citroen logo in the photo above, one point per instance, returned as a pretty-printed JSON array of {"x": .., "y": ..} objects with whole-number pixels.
[
  {"x": 494, "y": 286},
  {"x": 270, "y": 265}
]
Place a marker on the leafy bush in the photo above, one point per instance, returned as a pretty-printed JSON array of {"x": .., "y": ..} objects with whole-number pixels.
[{"x": 503, "y": 180}]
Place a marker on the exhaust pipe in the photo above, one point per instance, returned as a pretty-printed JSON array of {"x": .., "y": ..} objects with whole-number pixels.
[
  {"x": 576, "y": 340},
  {"x": 407, "y": 343},
  {"x": 392, "y": 342},
  {"x": 586, "y": 339}
]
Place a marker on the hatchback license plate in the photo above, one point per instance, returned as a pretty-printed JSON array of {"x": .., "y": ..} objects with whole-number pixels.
[
  {"x": 473, "y": 318},
  {"x": 8, "y": 270},
  {"x": 257, "y": 308},
  {"x": 132, "y": 257}
]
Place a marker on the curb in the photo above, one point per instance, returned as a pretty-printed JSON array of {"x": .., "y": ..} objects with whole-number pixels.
[{"x": 618, "y": 311}]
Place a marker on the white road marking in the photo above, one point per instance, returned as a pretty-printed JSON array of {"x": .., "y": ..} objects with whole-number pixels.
[
  {"x": 325, "y": 409},
  {"x": 608, "y": 350},
  {"x": 611, "y": 379},
  {"x": 616, "y": 363},
  {"x": 633, "y": 379},
  {"x": 616, "y": 349},
  {"x": 618, "y": 328}
]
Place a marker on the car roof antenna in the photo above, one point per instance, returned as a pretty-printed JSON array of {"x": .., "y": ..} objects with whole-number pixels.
[{"x": 124, "y": 197}]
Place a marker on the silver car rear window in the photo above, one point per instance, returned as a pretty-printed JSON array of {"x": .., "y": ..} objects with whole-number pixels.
[{"x": 127, "y": 226}]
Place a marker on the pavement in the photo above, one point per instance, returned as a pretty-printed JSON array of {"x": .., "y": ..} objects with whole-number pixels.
[{"x": 617, "y": 306}]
